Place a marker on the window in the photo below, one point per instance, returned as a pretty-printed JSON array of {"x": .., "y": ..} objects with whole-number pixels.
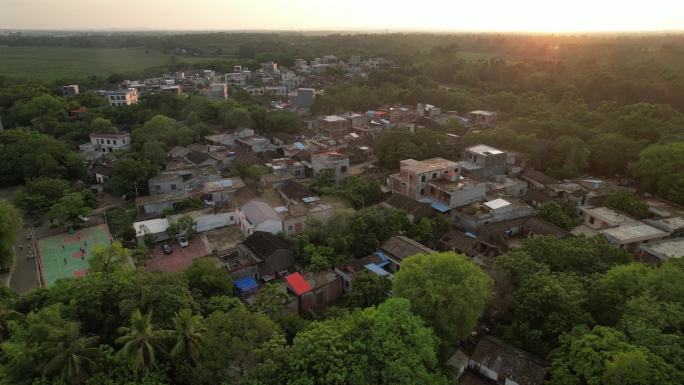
[
  {"x": 432, "y": 189},
  {"x": 109, "y": 141},
  {"x": 422, "y": 191},
  {"x": 173, "y": 186},
  {"x": 422, "y": 178},
  {"x": 114, "y": 141},
  {"x": 434, "y": 175},
  {"x": 289, "y": 227},
  {"x": 232, "y": 218},
  {"x": 592, "y": 220},
  {"x": 157, "y": 187},
  {"x": 343, "y": 169}
]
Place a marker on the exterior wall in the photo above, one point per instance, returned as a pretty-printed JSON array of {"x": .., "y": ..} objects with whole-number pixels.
[
  {"x": 104, "y": 144},
  {"x": 122, "y": 98},
  {"x": 213, "y": 221},
  {"x": 270, "y": 226},
  {"x": 157, "y": 208},
  {"x": 278, "y": 261},
  {"x": 468, "y": 195},
  {"x": 340, "y": 166},
  {"x": 165, "y": 186},
  {"x": 322, "y": 295},
  {"x": 472, "y": 223}
]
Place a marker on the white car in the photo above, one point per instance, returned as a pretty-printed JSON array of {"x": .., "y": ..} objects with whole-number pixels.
[{"x": 183, "y": 242}]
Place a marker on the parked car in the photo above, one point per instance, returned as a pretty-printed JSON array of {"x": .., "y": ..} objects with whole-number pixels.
[
  {"x": 209, "y": 202},
  {"x": 183, "y": 242},
  {"x": 166, "y": 248}
]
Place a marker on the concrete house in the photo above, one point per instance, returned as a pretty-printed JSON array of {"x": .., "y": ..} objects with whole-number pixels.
[
  {"x": 335, "y": 161},
  {"x": 483, "y": 162},
  {"x": 436, "y": 181},
  {"x": 299, "y": 206},
  {"x": 70, "y": 90},
  {"x": 472, "y": 217},
  {"x": 258, "y": 216},
  {"x": 104, "y": 142},
  {"x": 482, "y": 118},
  {"x": 273, "y": 255},
  {"x": 122, "y": 97},
  {"x": 314, "y": 289}
]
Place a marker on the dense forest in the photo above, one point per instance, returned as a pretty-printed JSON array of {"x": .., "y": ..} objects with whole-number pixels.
[{"x": 608, "y": 106}]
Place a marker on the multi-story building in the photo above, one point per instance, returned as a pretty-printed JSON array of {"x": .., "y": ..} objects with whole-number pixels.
[
  {"x": 331, "y": 161},
  {"x": 482, "y": 118},
  {"x": 483, "y": 161},
  {"x": 110, "y": 141},
  {"x": 70, "y": 90},
  {"x": 333, "y": 126},
  {"x": 437, "y": 181},
  {"x": 302, "y": 98},
  {"x": 236, "y": 79},
  {"x": 122, "y": 97},
  {"x": 216, "y": 92}
]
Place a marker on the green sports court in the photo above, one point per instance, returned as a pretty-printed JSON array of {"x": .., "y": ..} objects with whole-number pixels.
[{"x": 63, "y": 254}]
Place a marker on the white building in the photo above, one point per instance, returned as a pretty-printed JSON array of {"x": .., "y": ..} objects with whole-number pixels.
[
  {"x": 104, "y": 142},
  {"x": 122, "y": 97},
  {"x": 258, "y": 216}
]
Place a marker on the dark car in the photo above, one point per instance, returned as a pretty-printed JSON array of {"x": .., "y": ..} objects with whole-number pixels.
[{"x": 166, "y": 248}]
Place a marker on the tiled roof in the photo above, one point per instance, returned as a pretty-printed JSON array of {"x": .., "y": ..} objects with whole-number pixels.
[{"x": 509, "y": 361}]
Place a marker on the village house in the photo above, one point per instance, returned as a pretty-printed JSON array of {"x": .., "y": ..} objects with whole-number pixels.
[
  {"x": 338, "y": 163},
  {"x": 206, "y": 219},
  {"x": 483, "y": 162},
  {"x": 661, "y": 251},
  {"x": 399, "y": 247},
  {"x": 261, "y": 256},
  {"x": 256, "y": 215},
  {"x": 182, "y": 180},
  {"x": 620, "y": 229},
  {"x": 436, "y": 181},
  {"x": 218, "y": 193},
  {"x": 482, "y": 118},
  {"x": 333, "y": 126},
  {"x": 70, "y": 90},
  {"x": 216, "y": 92},
  {"x": 122, "y": 97},
  {"x": 299, "y": 206},
  {"x": 415, "y": 210},
  {"x": 506, "y": 364},
  {"x": 374, "y": 263},
  {"x": 104, "y": 142},
  {"x": 473, "y": 217},
  {"x": 314, "y": 289}
]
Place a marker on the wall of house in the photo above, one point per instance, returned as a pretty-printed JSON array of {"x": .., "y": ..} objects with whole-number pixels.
[
  {"x": 278, "y": 261},
  {"x": 270, "y": 226},
  {"x": 468, "y": 195},
  {"x": 472, "y": 223}
]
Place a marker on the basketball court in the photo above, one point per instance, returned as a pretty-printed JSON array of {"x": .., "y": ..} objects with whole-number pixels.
[{"x": 66, "y": 255}]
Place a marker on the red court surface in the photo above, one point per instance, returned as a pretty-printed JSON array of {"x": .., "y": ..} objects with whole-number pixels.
[{"x": 179, "y": 260}]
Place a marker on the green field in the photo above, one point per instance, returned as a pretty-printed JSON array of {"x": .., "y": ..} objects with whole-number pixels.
[{"x": 50, "y": 63}]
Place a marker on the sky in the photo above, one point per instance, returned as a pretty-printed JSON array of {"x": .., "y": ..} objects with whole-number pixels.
[{"x": 344, "y": 15}]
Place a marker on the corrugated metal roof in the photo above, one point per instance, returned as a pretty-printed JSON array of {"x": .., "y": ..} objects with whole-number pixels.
[{"x": 298, "y": 283}]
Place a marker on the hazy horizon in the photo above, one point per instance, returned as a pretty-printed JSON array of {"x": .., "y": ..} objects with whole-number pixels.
[{"x": 498, "y": 16}]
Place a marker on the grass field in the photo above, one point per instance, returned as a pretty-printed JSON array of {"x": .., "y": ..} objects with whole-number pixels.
[
  {"x": 61, "y": 254},
  {"x": 50, "y": 63}
]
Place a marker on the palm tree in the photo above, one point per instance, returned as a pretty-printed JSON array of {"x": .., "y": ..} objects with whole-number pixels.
[
  {"x": 187, "y": 334},
  {"x": 73, "y": 359},
  {"x": 140, "y": 341}
]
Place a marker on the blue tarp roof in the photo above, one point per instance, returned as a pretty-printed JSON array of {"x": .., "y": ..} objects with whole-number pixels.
[
  {"x": 246, "y": 284},
  {"x": 299, "y": 145},
  {"x": 442, "y": 208},
  {"x": 385, "y": 259},
  {"x": 376, "y": 269}
]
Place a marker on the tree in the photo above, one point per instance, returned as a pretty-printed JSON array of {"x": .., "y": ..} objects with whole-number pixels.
[
  {"x": 140, "y": 255},
  {"x": 447, "y": 290},
  {"x": 605, "y": 356},
  {"x": 100, "y": 124},
  {"x": 10, "y": 223},
  {"x": 271, "y": 301},
  {"x": 141, "y": 342},
  {"x": 26, "y": 154},
  {"x": 187, "y": 335},
  {"x": 546, "y": 305},
  {"x": 368, "y": 289},
  {"x": 68, "y": 208},
  {"x": 383, "y": 345},
  {"x": 232, "y": 344},
  {"x": 553, "y": 212},
  {"x": 155, "y": 152},
  {"x": 208, "y": 279},
  {"x": 130, "y": 175},
  {"x": 73, "y": 360},
  {"x": 37, "y": 196},
  {"x": 108, "y": 259},
  {"x": 32, "y": 344},
  {"x": 612, "y": 153},
  {"x": 187, "y": 225},
  {"x": 628, "y": 203},
  {"x": 658, "y": 166}
]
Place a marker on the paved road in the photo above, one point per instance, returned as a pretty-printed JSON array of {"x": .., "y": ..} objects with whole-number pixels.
[{"x": 25, "y": 277}]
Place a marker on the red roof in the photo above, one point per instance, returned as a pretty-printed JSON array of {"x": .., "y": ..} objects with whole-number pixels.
[{"x": 298, "y": 283}]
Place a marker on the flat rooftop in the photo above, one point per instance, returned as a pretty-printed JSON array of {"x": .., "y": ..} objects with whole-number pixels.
[
  {"x": 427, "y": 165},
  {"x": 670, "y": 248},
  {"x": 485, "y": 150},
  {"x": 635, "y": 231},
  {"x": 608, "y": 215}
]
